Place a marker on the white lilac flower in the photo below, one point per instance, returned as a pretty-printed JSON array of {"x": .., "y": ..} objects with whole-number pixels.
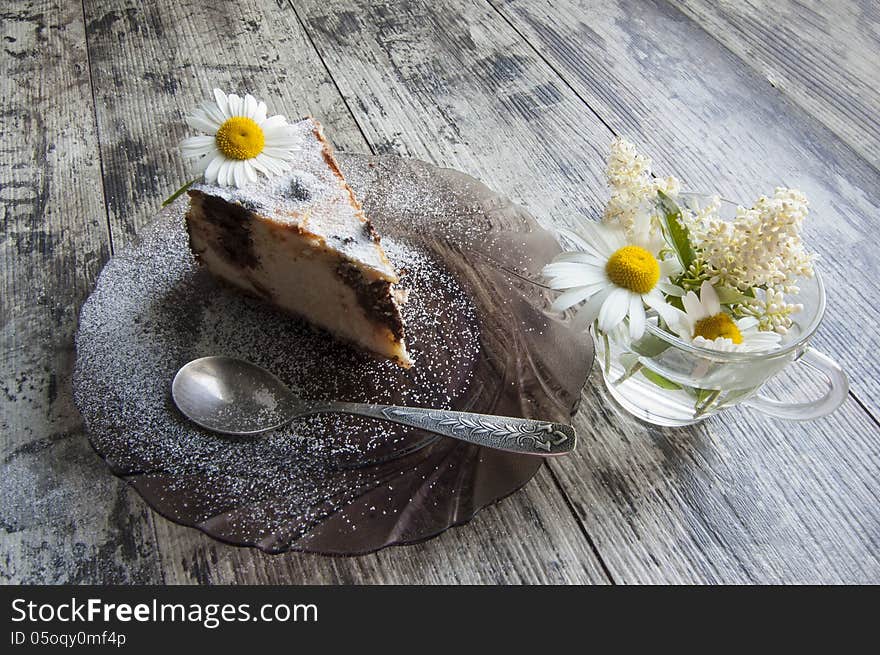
[
  {"x": 239, "y": 142},
  {"x": 761, "y": 246},
  {"x": 633, "y": 189},
  {"x": 705, "y": 324},
  {"x": 614, "y": 275},
  {"x": 771, "y": 309}
]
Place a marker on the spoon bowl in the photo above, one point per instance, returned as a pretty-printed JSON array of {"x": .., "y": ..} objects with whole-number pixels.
[{"x": 232, "y": 396}]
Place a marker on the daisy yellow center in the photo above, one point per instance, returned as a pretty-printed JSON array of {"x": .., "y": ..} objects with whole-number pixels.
[
  {"x": 633, "y": 268},
  {"x": 720, "y": 325},
  {"x": 240, "y": 138}
]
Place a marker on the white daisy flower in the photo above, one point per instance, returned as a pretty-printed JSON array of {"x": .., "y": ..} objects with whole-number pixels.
[
  {"x": 705, "y": 324},
  {"x": 241, "y": 140},
  {"x": 614, "y": 276}
]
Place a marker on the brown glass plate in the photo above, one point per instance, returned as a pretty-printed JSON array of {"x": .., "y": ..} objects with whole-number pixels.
[{"x": 334, "y": 484}]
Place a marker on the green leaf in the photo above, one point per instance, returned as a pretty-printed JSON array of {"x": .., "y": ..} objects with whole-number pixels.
[
  {"x": 728, "y": 296},
  {"x": 649, "y": 345},
  {"x": 703, "y": 394},
  {"x": 628, "y": 361},
  {"x": 174, "y": 196},
  {"x": 675, "y": 231},
  {"x": 631, "y": 365},
  {"x": 659, "y": 380},
  {"x": 706, "y": 399}
]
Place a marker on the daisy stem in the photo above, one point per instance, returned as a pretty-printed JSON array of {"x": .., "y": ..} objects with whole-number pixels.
[
  {"x": 174, "y": 196},
  {"x": 707, "y": 404},
  {"x": 607, "y": 353},
  {"x": 628, "y": 374}
]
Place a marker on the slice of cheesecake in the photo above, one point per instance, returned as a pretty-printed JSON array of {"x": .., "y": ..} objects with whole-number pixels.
[{"x": 301, "y": 241}]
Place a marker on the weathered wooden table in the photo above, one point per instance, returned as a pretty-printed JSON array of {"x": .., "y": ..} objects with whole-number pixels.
[{"x": 526, "y": 95}]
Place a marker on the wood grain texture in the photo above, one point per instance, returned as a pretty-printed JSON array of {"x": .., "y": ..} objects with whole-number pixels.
[
  {"x": 656, "y": 77},
  {"x": 822, "y": 55},
  {"x": 62, "y": 518},
  {"x": 524, "y": 95},
  {"x": 528, "y": 538},
  {"x": 152, "y": 64},
  {"x": 737, "y": 499}
]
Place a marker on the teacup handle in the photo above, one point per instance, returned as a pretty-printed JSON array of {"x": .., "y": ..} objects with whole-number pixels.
[{"x": 838, "y": 387}]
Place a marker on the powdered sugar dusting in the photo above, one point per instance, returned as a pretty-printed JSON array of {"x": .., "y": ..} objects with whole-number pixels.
[
  {"x": 313, "y": 197},
  {"x": 155, "y": 309},
  {"x": 331, "y": 483}
]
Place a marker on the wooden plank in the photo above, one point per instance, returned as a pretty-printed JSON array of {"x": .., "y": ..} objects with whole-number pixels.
[
  {"x": 690, "y": 104},
  {"x": 738, "y": 499},
  {"x": 670, "y": 107},
  {"x": 527, "y": 538},
  {"x": 155, "y": 62},
  {"x": 823, "y": 55},
  {"x": 62, "y": 519},
  {"x": 152, "y": 63}
]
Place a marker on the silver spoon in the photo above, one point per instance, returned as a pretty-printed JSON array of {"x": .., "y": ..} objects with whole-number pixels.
[{"x": 233, "y": 396}]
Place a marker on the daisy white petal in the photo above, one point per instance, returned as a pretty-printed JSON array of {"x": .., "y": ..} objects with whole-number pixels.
[
  {"x": 281, "y": 154},
  {"x": 277, "y": 166},
  {"x": 235, "y": 105},
  {"x": 679, "y": 323},
  {"x": 590, "y": 311},
  {"x": 641, "y": 227},
  {"x": 579, "y": 258},
  {"x": 563, "y": 282},
  {"x": 709, "y": 298},
  {"x": 670, "y": 267},
  {"x": 655, "y": 301},
  {"x": 609, "y": 240},
  {"x": 238, "y": 176},
  {"x": 706, "y": 325},
  {"x": 214, "y": 114},
  {"x": 223, "y": 176},
  {"x": 636, "y": 317},
  {"x": 281, "y": 165},
  {"x": 579, "y": 242},
  {"x": 213, "y": 169},
  {"x": 693, "y": 306},
  {"x": 570, "y": 268},
  {"x": 282, "y": 147},
  {"x": 273, "y": 121},
  {"x": 573, "y": 296},
  {"x": 197, "y": 146},
  {"x": 260, "y": 113},
  {"x": 623, "y": 274},
  {"x": 201, "y": 165},
  {"x": 670, "y": 289},
  {"x": 249, "y": 107},
  {"x": 614, "y": 309},
  {"x": 250, "y": 171},
  {"x": 280, "y": 131},
  {"x": 222, "y": 103},
  {"x": 259, "y": 166},
  {"x": 201, "y": 122}
]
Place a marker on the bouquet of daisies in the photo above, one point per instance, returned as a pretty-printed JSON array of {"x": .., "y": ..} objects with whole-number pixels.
[{"x": 717, "y": 284}]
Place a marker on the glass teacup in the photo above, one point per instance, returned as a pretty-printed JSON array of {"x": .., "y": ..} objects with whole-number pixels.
[{"x": 664, "y": 380}]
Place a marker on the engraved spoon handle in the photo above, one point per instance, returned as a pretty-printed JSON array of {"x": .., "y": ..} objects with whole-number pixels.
[{"x": 518, "y": 435}]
